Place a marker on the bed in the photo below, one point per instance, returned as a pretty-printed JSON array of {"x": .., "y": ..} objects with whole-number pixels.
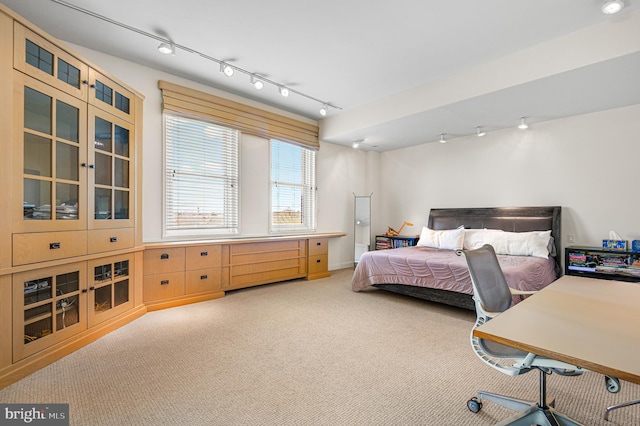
[{"x": 439, "y": 275}]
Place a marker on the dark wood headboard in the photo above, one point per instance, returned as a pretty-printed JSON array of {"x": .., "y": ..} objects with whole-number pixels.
[{"x": 512, "y": 219}]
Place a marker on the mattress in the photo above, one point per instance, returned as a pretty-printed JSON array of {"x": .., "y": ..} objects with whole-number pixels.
[{"x": 443, "y": 269}]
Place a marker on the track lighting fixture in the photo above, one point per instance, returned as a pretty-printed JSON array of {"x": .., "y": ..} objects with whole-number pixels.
[
  {"x": 522, "y": 124},
  {"x": 323, "y": 110},
  {"x": 283, "y": 91},
  {"x": 355, "y": 144},
  {"x": 258, "y": 84},
  {"x": 480, "y": 132},
  {"x": 167, "y": 48},
  {"x": 610, "y": 7},
  {"x": 442, "y": 140},
  {"x": 226, "y": 69}
]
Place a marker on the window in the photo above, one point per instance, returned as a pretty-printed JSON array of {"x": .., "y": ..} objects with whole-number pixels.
[
  {"x": 293, "y": 187},
  {"x": 201, "y": 177}
]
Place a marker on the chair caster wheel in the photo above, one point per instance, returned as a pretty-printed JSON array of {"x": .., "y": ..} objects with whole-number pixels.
[
  {"x": 612, "y": 384},
  {"x": 474, "y": 405}
]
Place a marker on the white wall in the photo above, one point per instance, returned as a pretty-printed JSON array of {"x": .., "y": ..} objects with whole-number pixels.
[{"x": 587, "y": 164}]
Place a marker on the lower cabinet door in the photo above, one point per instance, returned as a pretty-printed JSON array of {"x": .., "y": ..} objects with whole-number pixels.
[
  {"x": 110, "y": 287},
  {"x": 49, "y": 306}
]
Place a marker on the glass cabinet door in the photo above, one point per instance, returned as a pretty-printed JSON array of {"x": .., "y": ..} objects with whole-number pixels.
[
  {"x": 110, "y": 97},
  {"x": 52, "y": 131},
  {"x": 47, "y": 62},
  {"x": 110, "y": 153},
  {"x": 110, "y": 287},
  {"x": 49, "y": 305}
]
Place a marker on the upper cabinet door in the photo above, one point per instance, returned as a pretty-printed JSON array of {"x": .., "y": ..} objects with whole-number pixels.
[
  {"x": 41, "y": 59},
  {"x": 111, "y": 176},
  {"x": 111, "y": 97},
  {"x": 50, "y": 189}
]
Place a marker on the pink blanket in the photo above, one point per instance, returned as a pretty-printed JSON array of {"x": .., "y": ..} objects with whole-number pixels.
[{"x": 443, "y": 269}]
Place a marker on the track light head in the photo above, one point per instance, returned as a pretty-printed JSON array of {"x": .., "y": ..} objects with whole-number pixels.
[
  {"x": 323, "y": 110},
  {"x": 167, "y": 48},
  {"x": 283, "y": 91},
  {"x": 226, "y": 69},
  {"x": 258, "y": 84},
  {"x": 442, "y": 139},
  {"x": 480, "y": 132},
  {"x": 522, "y": 124},
  {"x": 610, "y": 7}
]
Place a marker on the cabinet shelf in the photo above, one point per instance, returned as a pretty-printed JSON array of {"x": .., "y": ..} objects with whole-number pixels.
[
  {"x": 595, "y": 262},
  {"x": 385, "y": 242}
]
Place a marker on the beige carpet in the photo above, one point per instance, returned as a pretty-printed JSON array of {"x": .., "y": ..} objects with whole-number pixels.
[{"x": 298, "y": 353}]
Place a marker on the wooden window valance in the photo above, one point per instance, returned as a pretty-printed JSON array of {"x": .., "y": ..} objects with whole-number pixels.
[{"x": 239, "y": 116}]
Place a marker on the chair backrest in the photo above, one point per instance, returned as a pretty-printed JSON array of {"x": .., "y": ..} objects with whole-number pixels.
[{"x": 489, "y": 285}]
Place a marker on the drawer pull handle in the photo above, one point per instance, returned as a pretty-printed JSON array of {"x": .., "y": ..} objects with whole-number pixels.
[
  {"x": 113, "y": 239},
  {"x": 84, "y": 290},
  {"x": 318, "y": 261},
  {"x": 164, "y": 282},
  {"x": 84, "y": 165},
  {"x": 203, "y": 277},
  {"x": 54, "y": 246},
  {"x": 92, "y": 288},
  {"x": 204, "y": 253},
  {"x": 164, "y": 256},
  {"x": 318, "y": 244}
]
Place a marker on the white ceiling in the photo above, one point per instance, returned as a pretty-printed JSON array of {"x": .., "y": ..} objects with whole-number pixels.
[{"x": 370, "y": 58}]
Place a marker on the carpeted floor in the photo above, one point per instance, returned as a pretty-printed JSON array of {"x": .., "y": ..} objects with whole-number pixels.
[{"x": 298, "y": 353}]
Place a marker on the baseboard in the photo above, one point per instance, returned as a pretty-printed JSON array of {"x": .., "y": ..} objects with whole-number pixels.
[{"x": 179, "y": 301}]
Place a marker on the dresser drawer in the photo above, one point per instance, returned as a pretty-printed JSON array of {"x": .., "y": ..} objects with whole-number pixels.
[
  {"x": 318, "y": 264},
  {"x": 318, "y": 246},
  {"x": 203, "y": 281},
  {"x": 110, "y": 239},
  {"x": 204, "y": 257},
  {"x": 158, "y": 261},
  {"x": 163, "y": 286},
  {"x": 45, "y": 246}
]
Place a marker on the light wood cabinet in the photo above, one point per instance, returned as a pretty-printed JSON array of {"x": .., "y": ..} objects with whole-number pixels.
[
  {"x": 318, "y": 258},
  {"x": 179, "y": 273},
  {"x": 71, "y": 252},
  {"x": 50, "y": 305}
]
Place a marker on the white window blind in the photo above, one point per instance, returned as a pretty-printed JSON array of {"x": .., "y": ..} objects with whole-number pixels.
[
  {"x": 201, "y": 177},
  {"x": 293, "y": 188}
]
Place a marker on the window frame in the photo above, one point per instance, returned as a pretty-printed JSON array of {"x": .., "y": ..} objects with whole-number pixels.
[
  {"x": 233, "y": 225},
  {"x": 309, "y": 192}
]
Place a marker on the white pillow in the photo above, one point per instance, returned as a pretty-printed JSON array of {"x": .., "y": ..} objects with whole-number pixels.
[
  {"x": 534, "y": 243},
  {"x": 450, "y": 239},
  {"x": 475, "y": 238}
]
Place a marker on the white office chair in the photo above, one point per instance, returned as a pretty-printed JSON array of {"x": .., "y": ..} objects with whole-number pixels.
[{"x": 493, "y": 296}]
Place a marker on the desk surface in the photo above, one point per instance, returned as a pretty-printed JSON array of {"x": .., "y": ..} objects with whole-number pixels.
[{"x": 590, "y": 323}]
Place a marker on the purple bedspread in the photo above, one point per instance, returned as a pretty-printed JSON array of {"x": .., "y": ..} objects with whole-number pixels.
[{"x": 443, "y": 269}]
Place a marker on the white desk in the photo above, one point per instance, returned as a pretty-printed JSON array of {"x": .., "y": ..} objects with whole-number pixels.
[{"x": 590, "y": 323}]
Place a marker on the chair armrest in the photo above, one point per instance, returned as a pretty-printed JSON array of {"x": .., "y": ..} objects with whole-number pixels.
[{"x": 522, "y": 292}]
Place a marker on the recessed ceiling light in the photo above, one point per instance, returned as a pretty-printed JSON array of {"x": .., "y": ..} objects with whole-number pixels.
[
  {"x": 522, "y": 124},
  {"x": 612, "y": 6}
]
